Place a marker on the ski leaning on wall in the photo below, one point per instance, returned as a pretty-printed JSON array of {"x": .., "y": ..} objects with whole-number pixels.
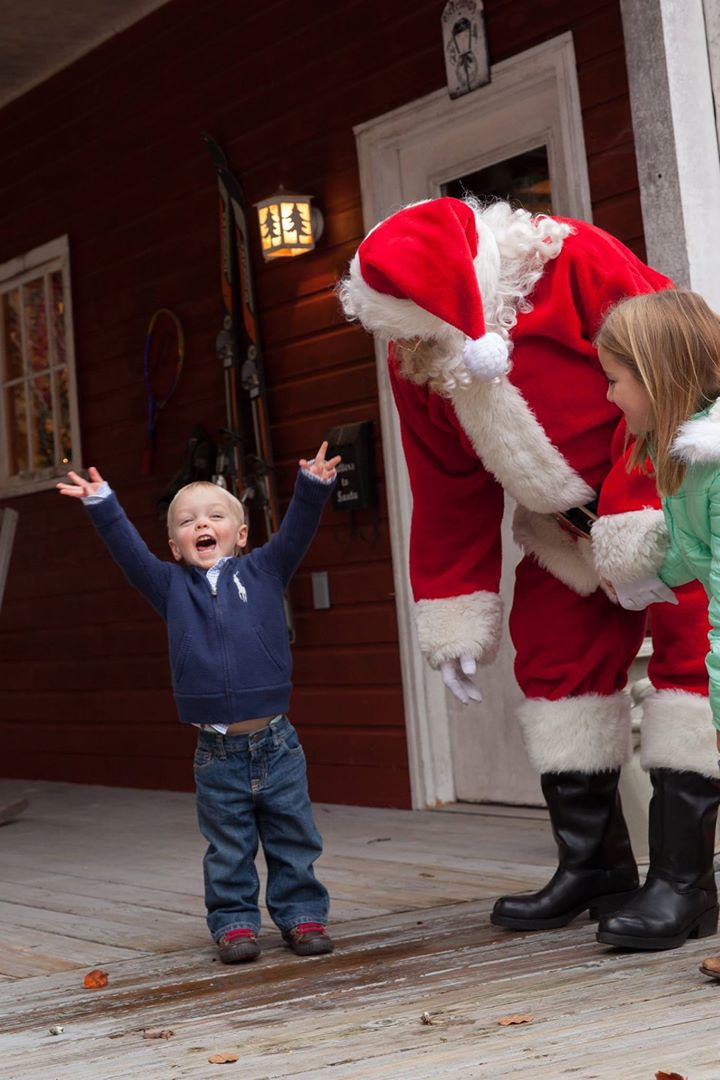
[{"x": 245, "y": 459}]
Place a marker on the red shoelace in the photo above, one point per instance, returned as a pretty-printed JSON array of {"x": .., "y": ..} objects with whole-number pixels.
[{"x": 242, "y": 932}]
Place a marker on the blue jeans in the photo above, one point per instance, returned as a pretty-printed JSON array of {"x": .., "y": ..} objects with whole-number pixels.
[{"x": 250, "y": 788}]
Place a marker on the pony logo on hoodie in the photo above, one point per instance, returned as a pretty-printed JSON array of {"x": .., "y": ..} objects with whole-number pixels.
[{"x": 242, "y": 591}]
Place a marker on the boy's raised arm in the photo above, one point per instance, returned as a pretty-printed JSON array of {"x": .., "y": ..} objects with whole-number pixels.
[
  {"x": 148, "y": 574},
  {"x": 285, "y": 550}
]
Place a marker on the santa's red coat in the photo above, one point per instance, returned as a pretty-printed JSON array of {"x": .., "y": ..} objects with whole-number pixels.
[{"x": 544, "y": 434}]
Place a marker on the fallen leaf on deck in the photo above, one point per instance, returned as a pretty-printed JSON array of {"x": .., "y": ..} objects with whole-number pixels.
[
  {"x": 518, "y": 1018},
  {"x": 425, "y": 1018},
  {"x": 668, "y": 1076},
  {"x": 94, "y": 980},
  {"x": 158, "y": 1033},
  {"x": 222, "y": 1059}
]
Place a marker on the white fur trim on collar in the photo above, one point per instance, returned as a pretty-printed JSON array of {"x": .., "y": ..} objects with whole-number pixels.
[{"x": 698, "y": 439}]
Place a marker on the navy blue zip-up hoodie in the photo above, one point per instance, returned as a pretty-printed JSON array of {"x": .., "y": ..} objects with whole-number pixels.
[{"x": 229, "y": 649}]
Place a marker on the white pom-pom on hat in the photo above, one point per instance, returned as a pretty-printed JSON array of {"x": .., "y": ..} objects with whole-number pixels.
[{"x": 487, "y": 357}]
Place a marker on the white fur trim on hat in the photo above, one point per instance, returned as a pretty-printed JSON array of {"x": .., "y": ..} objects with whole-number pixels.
[
  {"x": 389, "y": 316},
  {"x": 486, "y": 357},
  {"x": 460, "y": 625},
  {"x": 589, "y": 733},
  {"x": 629, "y": 546},
  {"x": 677, "y": 733}
]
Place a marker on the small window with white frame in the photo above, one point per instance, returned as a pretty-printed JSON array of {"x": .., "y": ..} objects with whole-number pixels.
[{"x": 38, "y": 399}]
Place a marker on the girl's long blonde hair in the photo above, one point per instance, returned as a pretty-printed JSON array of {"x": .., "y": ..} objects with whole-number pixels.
[{"x": 670, "y": 341}]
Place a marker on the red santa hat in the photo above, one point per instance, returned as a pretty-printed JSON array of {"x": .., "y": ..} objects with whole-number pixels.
[{"x": 414, "y": 275}]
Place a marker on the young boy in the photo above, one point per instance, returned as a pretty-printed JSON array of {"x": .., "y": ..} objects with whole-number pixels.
[{"x": 231, "y": 665}]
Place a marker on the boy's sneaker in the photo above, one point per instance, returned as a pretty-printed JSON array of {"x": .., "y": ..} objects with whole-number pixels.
[
  {"x": 309, "y": 939},
  {"x": 237, "y": 946}
]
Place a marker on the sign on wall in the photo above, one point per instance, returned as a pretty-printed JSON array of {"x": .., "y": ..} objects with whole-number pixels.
[{"x": 465, "y": 46}]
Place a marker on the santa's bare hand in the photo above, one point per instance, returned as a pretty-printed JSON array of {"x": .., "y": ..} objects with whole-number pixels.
[{"x": 457, "y": 676}]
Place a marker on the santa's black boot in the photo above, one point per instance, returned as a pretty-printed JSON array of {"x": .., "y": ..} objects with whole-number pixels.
[
  {"x": 679, "y": 897},
  {"x": 596, "y": 868}
]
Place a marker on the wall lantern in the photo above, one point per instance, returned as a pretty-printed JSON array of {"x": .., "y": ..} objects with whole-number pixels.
[{"x": 289, "y": 225}]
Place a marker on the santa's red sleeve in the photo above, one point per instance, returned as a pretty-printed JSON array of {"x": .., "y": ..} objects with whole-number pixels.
[{"x": 455, "y": 545}]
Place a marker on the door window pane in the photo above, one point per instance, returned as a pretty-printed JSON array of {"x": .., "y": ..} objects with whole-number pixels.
[{"x": 524, "y": 180}]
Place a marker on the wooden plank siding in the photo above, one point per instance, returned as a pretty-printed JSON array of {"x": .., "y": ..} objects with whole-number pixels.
[{"x": 109, "y": 152}]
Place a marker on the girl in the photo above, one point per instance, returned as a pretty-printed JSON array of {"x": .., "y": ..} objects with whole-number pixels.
[{"x": 661, "y": 355}]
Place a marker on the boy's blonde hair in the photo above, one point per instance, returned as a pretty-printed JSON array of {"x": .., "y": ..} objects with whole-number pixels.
[
  {"x": 235, "y": 505},
  {"x": 670, "y": 341}
]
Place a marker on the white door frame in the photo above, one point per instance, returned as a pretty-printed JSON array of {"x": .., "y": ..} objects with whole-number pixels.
[{"x": 548, "y": 71}]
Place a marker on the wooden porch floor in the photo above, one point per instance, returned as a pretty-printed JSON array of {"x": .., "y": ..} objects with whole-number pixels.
[{"x": 97, "y": 877}]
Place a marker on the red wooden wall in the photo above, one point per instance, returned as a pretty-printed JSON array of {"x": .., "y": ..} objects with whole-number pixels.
[{"x": 109, "y": 152}]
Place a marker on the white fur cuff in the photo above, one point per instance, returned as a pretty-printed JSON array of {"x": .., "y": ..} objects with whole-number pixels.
[
  {"x": 677, "y": 733},
  {"x": 588, "y": 734},
  {"x": 629, "y": 546},
  {"x": 460, "y": 625},
  {"x": 568, "y": 560}
]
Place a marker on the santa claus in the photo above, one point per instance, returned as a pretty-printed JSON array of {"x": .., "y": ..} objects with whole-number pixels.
[{"x": 491, "y": 314}]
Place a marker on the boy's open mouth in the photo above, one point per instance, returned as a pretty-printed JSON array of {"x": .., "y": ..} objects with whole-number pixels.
[{"x": 205, "y": 542}]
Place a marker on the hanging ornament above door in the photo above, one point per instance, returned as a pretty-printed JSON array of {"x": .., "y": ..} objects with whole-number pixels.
[{"x": 467, "y": 62}]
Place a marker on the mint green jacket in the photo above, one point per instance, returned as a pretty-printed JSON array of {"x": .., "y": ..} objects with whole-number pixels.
[{"x": 692, "y": 516}]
